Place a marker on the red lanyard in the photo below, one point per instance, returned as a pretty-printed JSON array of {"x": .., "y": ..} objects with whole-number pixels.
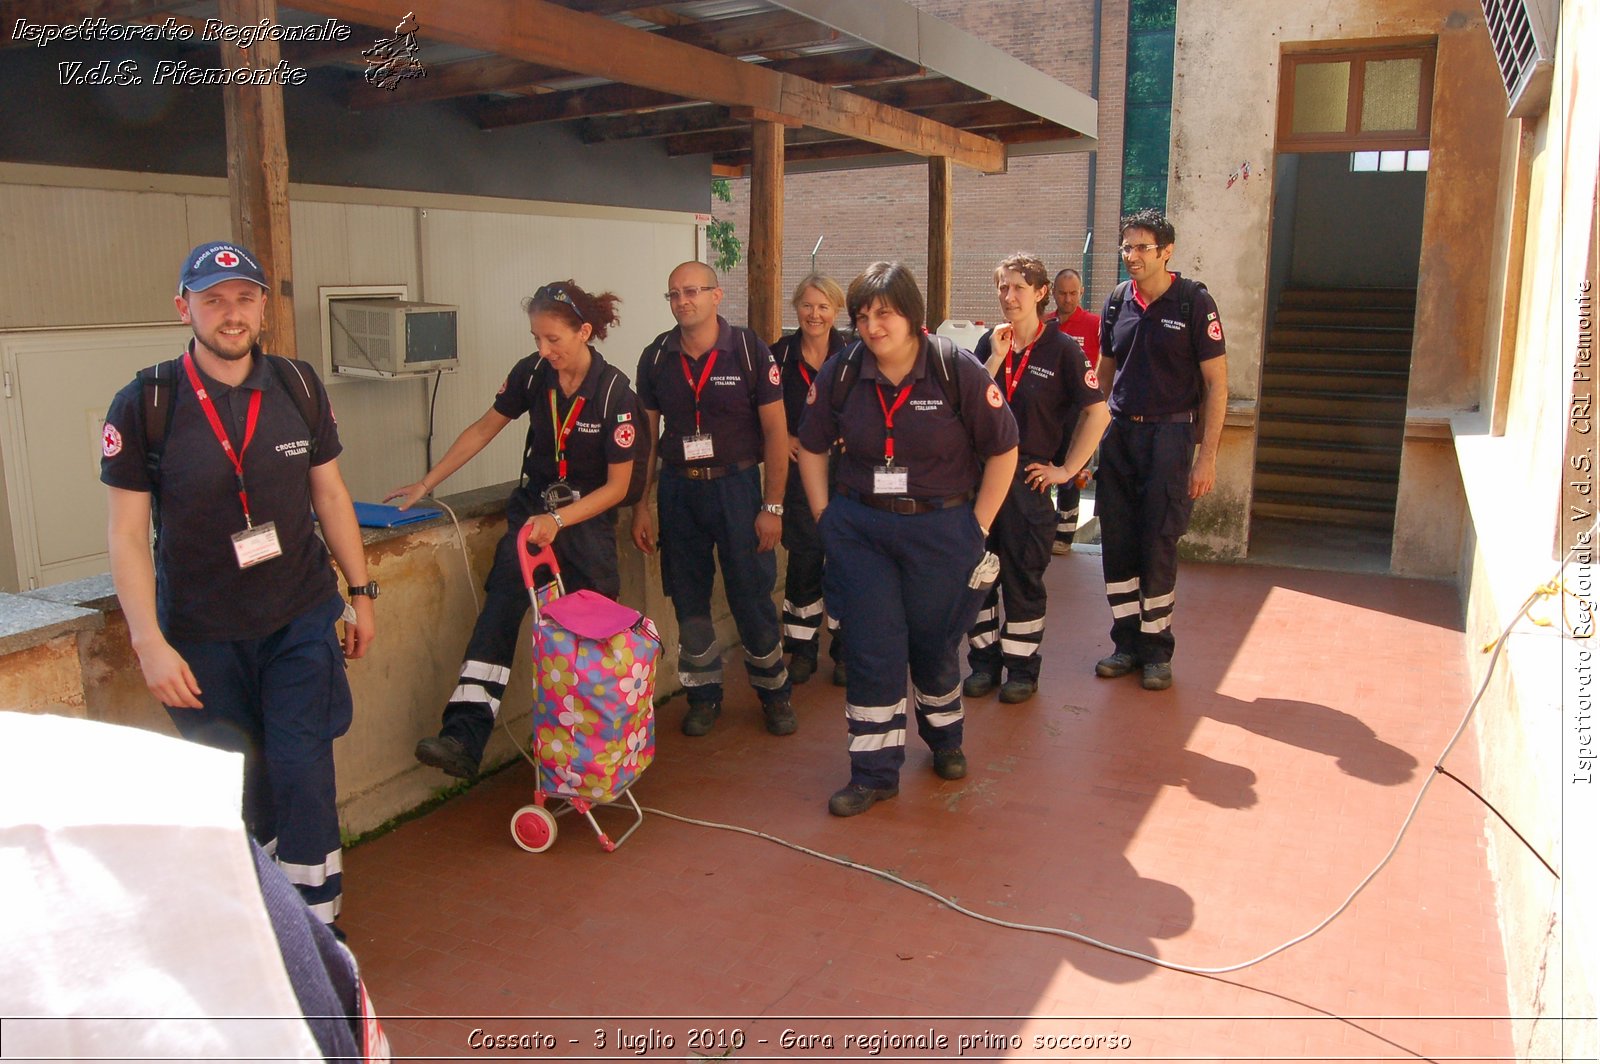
[
  {"x": 807, "y": 374},
  {"x": 1012, "y": 382},
  {"x": 888, "y": 419},
  {"x": 705, "y": 375},
  {"x": 563, "y": 430},
  {"x": 210, "y": 409}
]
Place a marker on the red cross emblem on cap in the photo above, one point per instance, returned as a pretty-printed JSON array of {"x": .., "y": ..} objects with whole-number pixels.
[{"x": 227, "y": 259}]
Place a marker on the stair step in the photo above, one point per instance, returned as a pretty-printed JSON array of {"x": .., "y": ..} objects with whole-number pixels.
[
  {"x": 1363, "y": 338},
  {"x": 1334, "y": 454},
  {"x": 1358, "y": 513},
  {"x": 1365, "y": 380},
  {"x": 1305, "y": 471},
  {"x": 1325, "y": 484},
  {"x": 1337, "y": 358},
  {"x": 1395, "y": 298},
  {"x": 1334, "y": 429},
  {"x": 1370, "y": 317},
  {"x": 1356, "y": 406}
]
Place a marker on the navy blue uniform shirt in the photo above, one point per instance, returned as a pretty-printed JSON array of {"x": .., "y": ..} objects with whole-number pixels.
[
  {"x": 797, "y": 375},
  {"x": 1056, "y": 383},
  {"x": 742, "y": 379},
  {"x": 596, "y": 440},
  {"x": 1158, "y": 353},
  {"x": 943, "y": 454},
  {"x": 201, "y": 593}
]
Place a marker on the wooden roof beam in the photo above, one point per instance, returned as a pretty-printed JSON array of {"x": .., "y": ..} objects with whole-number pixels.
[
  {"x": 770, "y": 31},
  {"x": 577, "y": 103},
  {"x": 468, "y": 77},
  {"x": 738, "y": 159},
  {"x": 733, "y": 135},
  {"x": 597, "y": 102},
  {"x": 537, "y": 31}
]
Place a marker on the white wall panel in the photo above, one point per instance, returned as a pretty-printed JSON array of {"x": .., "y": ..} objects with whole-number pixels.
[
  {"x": 72, "y": 257},
  {"x": 98, "y": 247}
]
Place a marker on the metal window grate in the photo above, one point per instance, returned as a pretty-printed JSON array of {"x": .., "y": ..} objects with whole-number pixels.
[{"x": 1522, "y": 33}]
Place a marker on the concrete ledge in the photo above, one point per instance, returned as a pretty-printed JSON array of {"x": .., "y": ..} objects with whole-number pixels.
[{"x": 27, "y": 621}]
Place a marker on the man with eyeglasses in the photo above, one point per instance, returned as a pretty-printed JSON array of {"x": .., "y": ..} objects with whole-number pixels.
[
  {"x": 1165, "y": 369},
  {"x": 719, "y": 394}
]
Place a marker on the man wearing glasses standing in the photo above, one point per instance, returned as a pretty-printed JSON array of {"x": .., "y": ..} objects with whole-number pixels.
[
  {"x": 1164, "y": 366},
  {"x": 719, "y": 394}
]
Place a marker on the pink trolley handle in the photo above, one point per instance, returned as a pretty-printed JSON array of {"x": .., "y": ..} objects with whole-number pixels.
[{"x": 531, "y": 563}]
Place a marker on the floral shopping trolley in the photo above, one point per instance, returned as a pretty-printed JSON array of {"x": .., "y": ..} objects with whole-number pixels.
[{"x": 594, "y": 678}]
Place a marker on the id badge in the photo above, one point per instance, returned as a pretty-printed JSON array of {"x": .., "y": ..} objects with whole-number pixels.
[
  {"x": 890, "y": 480},
  {"x": 697, "y": 448},
  {"x": 256, "y": 545}
]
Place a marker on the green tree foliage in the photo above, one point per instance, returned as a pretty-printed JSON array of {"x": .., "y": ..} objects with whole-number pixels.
[{"x": 727, "y": 248}]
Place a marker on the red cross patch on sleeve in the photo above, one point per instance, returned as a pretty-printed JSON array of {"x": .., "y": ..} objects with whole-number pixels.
[
  {"x": 1214, "y": 330},
  {"x": 993, "y": 395},
  {"x": 110, "y": 441}
]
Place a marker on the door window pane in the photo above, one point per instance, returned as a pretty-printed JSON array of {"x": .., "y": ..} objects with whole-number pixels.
[
  {"x": 1389, "y": 91},
  {"x": 1417, "y": 160},
  {"x": 1321, "y": 97},
  {"x": 1363, "y": 162},
  {"x": 1392, "y": 162}
]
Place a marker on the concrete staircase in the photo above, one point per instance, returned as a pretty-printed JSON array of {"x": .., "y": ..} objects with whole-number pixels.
[{"x": 1333, "y": 406}]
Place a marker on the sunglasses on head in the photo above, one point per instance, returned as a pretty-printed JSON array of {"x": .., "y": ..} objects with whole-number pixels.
[{"x": 555, "y": 293}]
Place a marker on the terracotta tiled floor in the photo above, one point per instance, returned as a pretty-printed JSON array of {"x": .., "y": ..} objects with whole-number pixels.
[{"x": 1204, "y": 825}]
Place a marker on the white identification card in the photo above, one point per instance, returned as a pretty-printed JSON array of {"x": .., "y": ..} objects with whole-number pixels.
[
  {"x": 890, "y": 480},
  {"x": 256, "y": 545},
  {"x": 697, "y": 448}
]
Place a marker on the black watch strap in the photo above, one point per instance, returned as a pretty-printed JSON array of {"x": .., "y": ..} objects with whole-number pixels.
[{"x": 369, "y": 589}]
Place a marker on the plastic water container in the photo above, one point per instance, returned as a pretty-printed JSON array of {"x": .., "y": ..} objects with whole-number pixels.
[{"x": 965, "y": 333}]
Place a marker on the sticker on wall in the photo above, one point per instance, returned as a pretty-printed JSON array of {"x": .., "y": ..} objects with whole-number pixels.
[{"x": 1242, "y": 173}]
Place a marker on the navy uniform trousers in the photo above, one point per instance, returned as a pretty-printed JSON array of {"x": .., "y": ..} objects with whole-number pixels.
[
  {"x": 802, "y": 581},
  {"x": 1067, "y": 495},
  {"x": 1023, "y": 532},
  {"x": 1142, "y": 500},
  {"x": 587, "y": 554},
  {"x": 898, "y": 582},
  {"x": 281, "y": 701},
  {"x": 704, "y": 522}
]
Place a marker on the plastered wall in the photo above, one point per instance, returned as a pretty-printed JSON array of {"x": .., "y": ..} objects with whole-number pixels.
[{"x": 1224, "y": 116}]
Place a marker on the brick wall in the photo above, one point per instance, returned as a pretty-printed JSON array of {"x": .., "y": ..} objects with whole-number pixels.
[{"x": 1039, "y": 205}]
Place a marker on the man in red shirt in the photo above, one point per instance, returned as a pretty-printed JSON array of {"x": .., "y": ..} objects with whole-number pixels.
[{"x": 1083, "y": 327}]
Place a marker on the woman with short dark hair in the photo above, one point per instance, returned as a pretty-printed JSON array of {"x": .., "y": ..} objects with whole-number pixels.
[{"x": 928, "y": 451}]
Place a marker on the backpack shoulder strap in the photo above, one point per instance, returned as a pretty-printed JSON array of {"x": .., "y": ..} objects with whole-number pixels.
[
  {"x": 1114, "y": 305},
  {"x": 849, "y": 373},
  {"x": 307, "y": 399},
  {"x": 157, "y": 388},
  {"x": 945, "y": 355}
]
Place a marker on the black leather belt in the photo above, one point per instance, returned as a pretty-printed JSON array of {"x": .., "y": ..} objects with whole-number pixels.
[
  {"x": 904, "y": 504},
  {"x": 1159, "y": 419},
  {"x": 708, "y": 472}
]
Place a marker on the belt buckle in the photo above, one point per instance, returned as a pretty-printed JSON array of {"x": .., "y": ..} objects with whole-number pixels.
[
  {"x": 900, "y": 504},
  {"x": 695, "y": 472}
]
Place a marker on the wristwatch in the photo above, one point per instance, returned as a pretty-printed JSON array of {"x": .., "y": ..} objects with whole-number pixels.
[
  {"x": 773, "y": 508},
  {"x": 369, "y": 589}
]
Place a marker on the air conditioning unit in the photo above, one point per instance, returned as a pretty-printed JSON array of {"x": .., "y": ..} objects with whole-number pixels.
[
  {"x": 384, "y": 338},
  {"x": 1523, "y": 34}
]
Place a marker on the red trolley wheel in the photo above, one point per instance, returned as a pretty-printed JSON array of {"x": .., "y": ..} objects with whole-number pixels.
[{"x": 533, "y": 827}]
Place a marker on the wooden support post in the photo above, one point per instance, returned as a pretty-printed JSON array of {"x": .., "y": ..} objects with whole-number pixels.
[
  {"x": 941, "y": 172},
  {"x": 258, "y": 168},
  {"x": 766, "y": 231}
]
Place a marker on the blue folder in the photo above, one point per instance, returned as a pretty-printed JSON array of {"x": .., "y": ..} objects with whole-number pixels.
[{"x": 377, "y": 515}]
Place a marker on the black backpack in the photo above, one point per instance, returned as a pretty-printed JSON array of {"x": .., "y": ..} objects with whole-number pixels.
[
  {"x": 156, "y": 386},
  {"x": 1186, "y": 294},
  {"x": 613, "y": 386},
  {"x": 944, "y": 363}
]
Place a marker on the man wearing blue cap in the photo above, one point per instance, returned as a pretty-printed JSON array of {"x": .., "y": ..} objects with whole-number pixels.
[{"x": 231, "y": 450}]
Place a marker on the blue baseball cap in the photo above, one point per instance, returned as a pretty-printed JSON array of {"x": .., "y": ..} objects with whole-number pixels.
[{"x": 218, "y": 261}]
